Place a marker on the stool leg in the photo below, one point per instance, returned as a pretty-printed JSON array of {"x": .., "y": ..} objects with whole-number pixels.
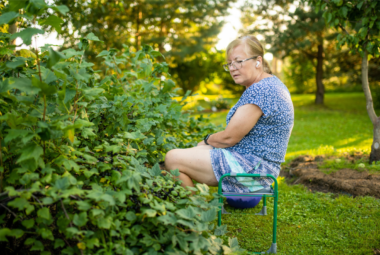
[
  {"x": 273, "y": 248},
  {"x": 263, "y": 211}
]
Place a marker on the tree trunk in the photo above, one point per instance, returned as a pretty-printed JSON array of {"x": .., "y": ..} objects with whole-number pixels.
[
  {"x": 320, "y": 93},
  {"x": 13, "y": 29},
  {"x": 375, "y": 148}
]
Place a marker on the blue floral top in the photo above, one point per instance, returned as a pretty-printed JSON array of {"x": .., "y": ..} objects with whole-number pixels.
[{"x": 269, "y": 138}]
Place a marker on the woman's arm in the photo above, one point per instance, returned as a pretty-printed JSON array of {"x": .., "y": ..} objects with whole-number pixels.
[{"x": 244, "y": 119}]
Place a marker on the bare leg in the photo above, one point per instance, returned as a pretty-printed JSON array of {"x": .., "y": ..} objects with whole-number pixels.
[{"x": 193, "y": 163}]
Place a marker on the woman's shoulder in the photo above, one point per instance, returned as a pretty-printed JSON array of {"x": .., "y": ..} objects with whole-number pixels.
[{"x": 265, "y": 84}]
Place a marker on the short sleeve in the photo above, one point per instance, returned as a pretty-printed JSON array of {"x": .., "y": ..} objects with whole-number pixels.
[{"x": 263, "y": 97}]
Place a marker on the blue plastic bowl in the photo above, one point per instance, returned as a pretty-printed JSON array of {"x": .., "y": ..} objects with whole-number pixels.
[{"x": 243, "y": 202}]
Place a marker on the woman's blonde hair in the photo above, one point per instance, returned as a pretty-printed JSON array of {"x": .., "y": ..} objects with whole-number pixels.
[{"x": 252, "y": 47}]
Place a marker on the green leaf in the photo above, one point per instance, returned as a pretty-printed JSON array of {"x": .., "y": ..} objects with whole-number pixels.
[
  {"x": 209, "y": 215},
  {"x": 329, "y": 17},
  {"x": 131, "y": 216},
  {"x": 16, "y": 5},
  {"x": 8, "y": 17},
  {"x": 156, "y": 54},
  {"x": 28, "y": 223},
  {"x": 62, "y": 183},
  {"x": 233, "y": 242},
  {"x": 187, "y": 213},
  {"x": 47, "y": 200},
  {"x": 220, "y": 230},
  {"x": 46, "y": 233},
  {"x": 31, "y": 151},
  {"x": 53, "y": 21},
  {"x": 54, "y": 57},
  {"x": 105, "y": 223},
  {"x": 93, "y": 37},
  {"x": 203, "y": 188},
  {"x": 344, "y": 11},
  {"x": 175, "y": 172},
  {"x": 27, "y": 34},
  {"x": 69, "y": 94},
  {"x": 91, "y": 243},
  {"x": 63, "y": 9},
  {"x": 23, "y": 84},
  {"x": 359, "y": 6},
  {"x": 83, "y": 205},
  {"x": 59, "y": 243},
  {"x": 149, "y": 212},
  {"x": 44, "y": 213},
  {"x": 81, "y": 123},
  {"x": 30, "y": 241},
  {"x": 17, "y": 233},
  {"x": 155, "y": 171},
  {"x": 80, "y": 219},
  {"x": 363, "y": 32},
  {"x": 134, "y": 135},
  {"x": 19, "y": 203},
  {"x": 14, "y": 134},
  {"x": 15, "y": 63},
  {"x": 3, "y": 233},
  {"x": 38, "y": 246},
  {"x": 92, "y": 93},
  {"x": 168, "y": 219},
  {"x": 339, "y": 2},
  {"x": 45, "y": 89},
  {"x": 169, "y": 84}
]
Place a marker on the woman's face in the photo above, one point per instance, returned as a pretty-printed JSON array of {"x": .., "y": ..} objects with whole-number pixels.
[{"x": 247, "y": 74}]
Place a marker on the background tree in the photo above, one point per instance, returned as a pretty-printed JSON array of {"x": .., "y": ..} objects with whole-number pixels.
[
  {"x": 293, "y": 30},
  {"x": 359, "y": 24},
  {"x": 178, "y": 29}
]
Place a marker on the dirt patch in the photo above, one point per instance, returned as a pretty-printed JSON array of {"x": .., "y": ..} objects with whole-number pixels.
[
  {"x": 304, "y": 170},
  {"x": 376, "y": 252}
]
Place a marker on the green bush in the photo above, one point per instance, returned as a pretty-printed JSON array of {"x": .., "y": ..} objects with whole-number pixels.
[{"x": 80, "y": 149}]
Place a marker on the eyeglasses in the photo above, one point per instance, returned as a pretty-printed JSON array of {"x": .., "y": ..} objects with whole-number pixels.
[{"x": 236, "y": 64}]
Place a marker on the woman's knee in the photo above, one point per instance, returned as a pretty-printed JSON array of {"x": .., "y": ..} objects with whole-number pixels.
[{"x": 171, "y": 159}]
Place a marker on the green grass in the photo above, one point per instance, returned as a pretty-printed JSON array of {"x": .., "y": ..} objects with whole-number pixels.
[
  {"x": 317, "y": 223},
  {"x": 310, "y": 223},
  {"x": 332, "y": 165}
]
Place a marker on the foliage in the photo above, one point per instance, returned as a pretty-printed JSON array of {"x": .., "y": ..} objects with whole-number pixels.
[
  {"x": 220, "y": 104},
  {"x": 359, "y": 20},
  {"x": 79, "y": 152},
  {"x": 294, "y": 30},
  {"x": 299, "y": 75},
  {"x": 184, "y": 31}
]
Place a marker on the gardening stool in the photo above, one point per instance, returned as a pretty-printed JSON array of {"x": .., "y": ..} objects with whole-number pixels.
[{"x": 261, "y": 193}]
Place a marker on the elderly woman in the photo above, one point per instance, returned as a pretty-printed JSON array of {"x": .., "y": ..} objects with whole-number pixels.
[{"x": 257, "y": 132}]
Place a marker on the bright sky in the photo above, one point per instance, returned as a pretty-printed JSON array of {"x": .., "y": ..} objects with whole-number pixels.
[{"x": 231, "y": 26}]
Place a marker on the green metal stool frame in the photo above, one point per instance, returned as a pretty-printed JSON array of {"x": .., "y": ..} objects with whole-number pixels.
[{"x": 269, "y": 192}]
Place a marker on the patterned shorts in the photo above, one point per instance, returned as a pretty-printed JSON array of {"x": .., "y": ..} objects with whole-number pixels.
[{"x": 225, "y": 161}]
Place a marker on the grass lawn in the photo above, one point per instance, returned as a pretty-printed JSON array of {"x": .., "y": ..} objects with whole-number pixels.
[{"x": 316, "y": 223}]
